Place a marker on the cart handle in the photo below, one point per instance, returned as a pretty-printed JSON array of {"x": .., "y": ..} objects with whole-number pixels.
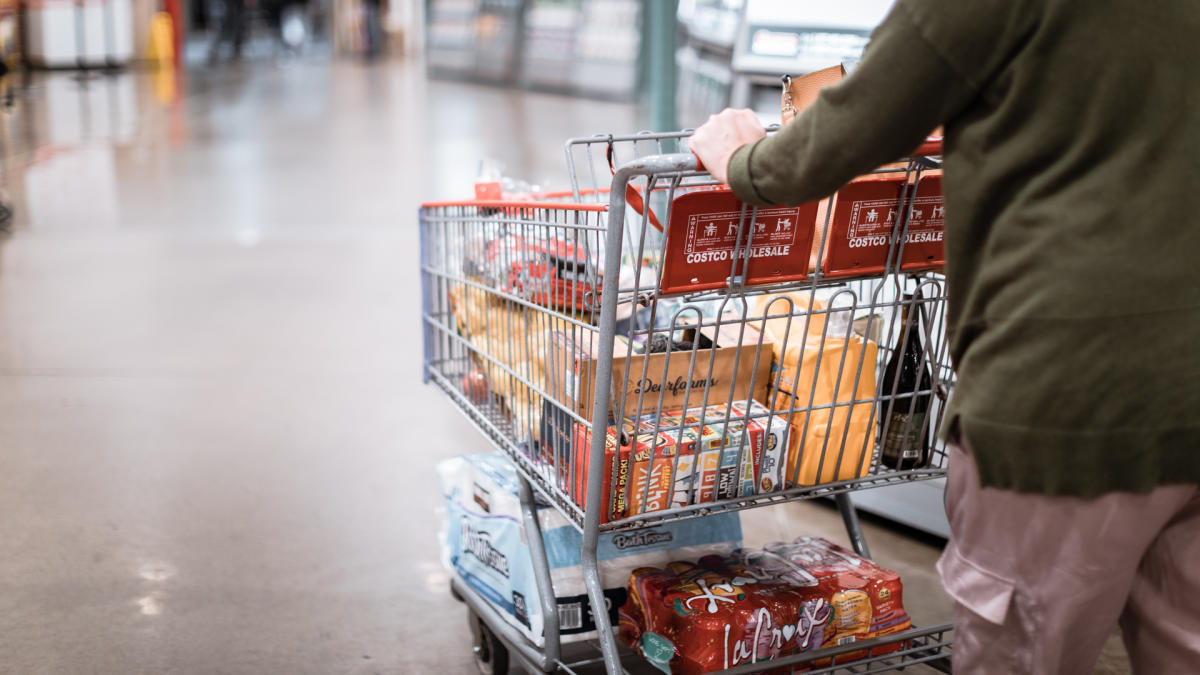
[
  {"x": 516, "y": 204},
  {"x": 931, "y": 147}
]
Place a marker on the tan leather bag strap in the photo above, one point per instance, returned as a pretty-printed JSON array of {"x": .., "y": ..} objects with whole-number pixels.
[{"x": 787, "y": 104}]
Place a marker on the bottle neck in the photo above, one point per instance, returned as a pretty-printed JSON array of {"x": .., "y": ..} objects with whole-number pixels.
[{"x": 905, "y": 316}]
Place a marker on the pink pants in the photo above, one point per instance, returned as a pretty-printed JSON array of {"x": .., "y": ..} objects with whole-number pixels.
[{"x": 1039, "y": 582}]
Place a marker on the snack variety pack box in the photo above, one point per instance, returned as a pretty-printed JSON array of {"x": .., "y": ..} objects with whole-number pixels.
[
  {"x": 484, "y": 546},
  {"x": 750, "y": 606},
  {"x": 723, "y": 451}
]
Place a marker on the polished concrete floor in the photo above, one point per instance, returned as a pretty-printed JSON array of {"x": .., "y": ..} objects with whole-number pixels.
[{"x": 215, "y": 452}]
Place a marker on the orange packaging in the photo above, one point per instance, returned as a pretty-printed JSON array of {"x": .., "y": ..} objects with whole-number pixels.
[
  {"x": 652, "y": 472},
  {"x": 618, "y": 498},
  {"x": 617, "y": 472},
  {"x": 708, "y": 459},
  {"x": 672, "y": 425},
  {"x": 644, "y": 459},
  {"x": 834, "y": 374},
  {"x": 581, "y": 451}
]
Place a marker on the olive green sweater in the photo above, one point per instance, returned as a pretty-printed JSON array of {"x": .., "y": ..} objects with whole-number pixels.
[{"x": 1072, "y": 185}]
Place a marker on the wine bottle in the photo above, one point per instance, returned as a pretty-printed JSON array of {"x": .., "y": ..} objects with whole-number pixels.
[{"x": 904, "y": 408}]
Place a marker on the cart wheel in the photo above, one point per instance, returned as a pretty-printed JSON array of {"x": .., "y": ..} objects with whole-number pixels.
[{"x": 491, "y": 656}]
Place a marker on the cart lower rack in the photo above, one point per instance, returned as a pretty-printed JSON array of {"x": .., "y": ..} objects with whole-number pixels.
[
  {"x": 649, "y": 350},
  {"x": 498, "y": 647}
]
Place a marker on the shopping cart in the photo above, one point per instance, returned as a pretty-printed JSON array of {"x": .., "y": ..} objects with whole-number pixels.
[{"x": 597, "y": 336}]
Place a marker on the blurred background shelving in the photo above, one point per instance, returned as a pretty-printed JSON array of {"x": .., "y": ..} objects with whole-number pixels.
[
  {"x": 586, "y": 47},
  {"x": 732, "y": 52},
  {"x": 707, "y": 33}
]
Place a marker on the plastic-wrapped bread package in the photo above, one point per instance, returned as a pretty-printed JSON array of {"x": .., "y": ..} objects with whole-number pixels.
[
  {"x": 510, "y": 345},
  {"x": 751, "y": 606},
  {"x": 484, "y": 546}
]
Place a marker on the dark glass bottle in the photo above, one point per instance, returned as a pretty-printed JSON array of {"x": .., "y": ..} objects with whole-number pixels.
[{"x": 904, "y": 408}]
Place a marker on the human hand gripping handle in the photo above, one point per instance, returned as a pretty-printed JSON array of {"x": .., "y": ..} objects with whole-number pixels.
[{"x": 717, "y": 139}]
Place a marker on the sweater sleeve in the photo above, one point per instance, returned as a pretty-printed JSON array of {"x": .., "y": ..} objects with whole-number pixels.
[{"x": 902, "y": 89}]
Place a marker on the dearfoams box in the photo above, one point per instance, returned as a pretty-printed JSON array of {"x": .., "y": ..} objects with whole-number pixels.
[
  {"x": 735, "y": 366},
  {"x": 483, "y": 545}
]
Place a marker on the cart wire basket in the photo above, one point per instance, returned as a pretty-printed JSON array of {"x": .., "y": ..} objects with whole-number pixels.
[{"x": 645, "y": 348}]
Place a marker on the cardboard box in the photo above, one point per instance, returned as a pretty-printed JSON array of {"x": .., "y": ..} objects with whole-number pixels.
[
  {"x": 652, "y": 476},
  {"x": 735, "y": 375},
  {"x": 638, "y": 474},
  {"x": 616, "y": 472},
  {"x": 776, "y": 433},
  {"x": 735, "y": 475},
  {"x": 697, "y": 439}
]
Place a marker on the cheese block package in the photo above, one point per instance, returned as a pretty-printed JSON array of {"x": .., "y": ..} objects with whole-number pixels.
[{"x": 754, "y": 605}]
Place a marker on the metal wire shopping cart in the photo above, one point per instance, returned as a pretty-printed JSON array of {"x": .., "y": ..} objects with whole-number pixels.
[{"x": 646, "y": 349}]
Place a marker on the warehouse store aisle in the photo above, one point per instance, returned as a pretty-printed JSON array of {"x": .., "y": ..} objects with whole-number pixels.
[
  {"x": 217, "y": 453},
  {"x": 217, "y": 457}
]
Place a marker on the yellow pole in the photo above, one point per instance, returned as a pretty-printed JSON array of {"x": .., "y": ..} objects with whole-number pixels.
[{"x": 160, "y": 49}]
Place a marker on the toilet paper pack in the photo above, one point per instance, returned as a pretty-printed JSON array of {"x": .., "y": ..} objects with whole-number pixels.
[{"x": 483, "y": 544}]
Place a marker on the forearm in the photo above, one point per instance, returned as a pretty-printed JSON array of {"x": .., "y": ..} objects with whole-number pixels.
[{"x": 901, "y": 91}]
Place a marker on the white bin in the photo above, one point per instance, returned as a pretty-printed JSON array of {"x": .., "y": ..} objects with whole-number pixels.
[{"x": 73, "y": 33}]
